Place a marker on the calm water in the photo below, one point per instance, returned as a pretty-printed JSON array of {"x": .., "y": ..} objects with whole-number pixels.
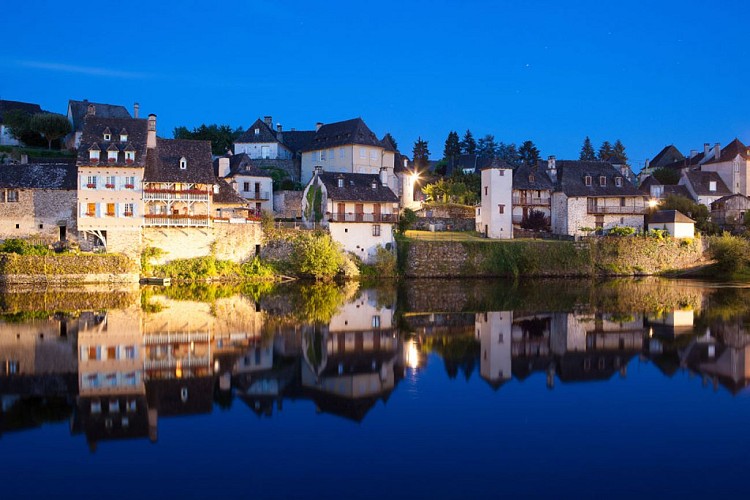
[{"x": 438, "y": 388}]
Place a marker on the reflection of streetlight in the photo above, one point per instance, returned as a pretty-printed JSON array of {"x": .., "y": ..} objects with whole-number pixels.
[{"x": 412, "y": 354}]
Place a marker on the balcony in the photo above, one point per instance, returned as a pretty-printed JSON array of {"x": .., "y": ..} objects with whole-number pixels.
[
  {"x": 350, "y": 217},
  {"x": 617, "y": 209},
  {"x": 164, "y": 220},
  {"x": 531, "y": 201},
  {"x": 173, "y": 194},
  {"x": 256, "y": 195}
]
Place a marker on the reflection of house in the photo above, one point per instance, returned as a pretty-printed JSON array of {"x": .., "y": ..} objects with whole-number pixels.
[
  {"x": 358, "y": 209},
  {"x": 495, "y": 337},
  {"x": 671, "y": 324},
  {"x": 724, "y": 358}
]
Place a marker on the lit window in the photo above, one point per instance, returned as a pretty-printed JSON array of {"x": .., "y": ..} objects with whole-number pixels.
[
  {"x": 91, "y": 212},
  {"x": 183, "y": 163},
  {"x": 110, "y": 209}
]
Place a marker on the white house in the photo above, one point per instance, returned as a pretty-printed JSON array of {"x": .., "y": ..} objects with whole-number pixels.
[
  {"x": 705, "y": 187},
  {"x": 252, "y": 183},
  {"x": 494, "y": 332},
  {"x": 261, "y": 141},
  {"x": 359, "y": 210},
  {"x": 494, "y": 215},
  {"x": 676, "y": 223}
]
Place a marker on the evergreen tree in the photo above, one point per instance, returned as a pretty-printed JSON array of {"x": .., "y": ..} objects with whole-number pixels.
[
  {"x": 618, "y": 153},
  {"x": 452, "y": 149},
  {"x": 528, "y": 153},
  {"x": 606, "y": 153},
  {"x": 587, "y": 151},
  {"x": 487, "y": 147},
  {"x": 388, "y": 136},
  {"x": 421, "y": 154},
  {"x": 509, "y": 154},
  {"x": 468, "y": 144}
]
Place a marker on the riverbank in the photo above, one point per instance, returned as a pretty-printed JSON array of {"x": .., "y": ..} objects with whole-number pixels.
[{"x": 67, "y": 269}]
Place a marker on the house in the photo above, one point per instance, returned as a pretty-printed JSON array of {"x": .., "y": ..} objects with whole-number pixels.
[
  {"x": 348, "y": 147},
  {"x": 494, "y": 215},
  {"x": 732, "y": 163},
  {"x": 592, "y": 194},
  {"x": 657, "y": 191},
  {"x": 79, "y": 110},
  {"x": 674, "y": 222},
  {"x": 359, "y": 210},
  {"x": 38, "y": 201},
  {"x": 6, "y": 139},
  {"x": 252, "y": 183},
  {"x": 111, "y": 160},
  {"x": 407, "y": 183},
  {"x": 730, "y": 210},
  {"x": 704, "y": 187},
  {"x": 494, "y": 332},
  {"x": 532, "y": 192},
  {"x": 667, "y": 156},
  {"x": 228, "y": 204}
]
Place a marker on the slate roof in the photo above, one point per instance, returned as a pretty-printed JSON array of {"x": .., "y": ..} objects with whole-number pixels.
[
  {"x": 571, "y": 179},
  {"x": 93, "y": 136},
  {"x": 464, "y": 162},
  {"x": 163, "y": 164},
  {"x": 388, "y": 143},
  {"x": 78, "y": 110},
  {"x": 677, "y": 190},
  {"x": 686, "y": 162},
  {"x": 297, "y": 140},
  {"x": 27, "y": 107},
  {"x": 648, "y": 182},
  {"x": 227, "y": 195},
  {"x": 725, "y": 199},
  {"x": 701, "y": 180},
  {"x": 731, "y": 151},
  {"x": 669, "y": 154},
  {"x": 668, "y": 216},
  {"x": 534, "y": 178},
  {"x": 62, "y": 176},
  {"x": 241, "y": 164},
  {"x": 357, "y": 187},
  {"x": 265, "y": 133},
  {"x": 352, "y": 131}
]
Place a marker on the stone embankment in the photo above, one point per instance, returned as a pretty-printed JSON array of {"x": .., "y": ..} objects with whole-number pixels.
[{"x": 67, "y": 269}]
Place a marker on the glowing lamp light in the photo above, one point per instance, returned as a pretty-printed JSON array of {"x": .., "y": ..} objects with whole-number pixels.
[
  {"x": 653, "y": 202},
  {"x": 412, "y": 354}
]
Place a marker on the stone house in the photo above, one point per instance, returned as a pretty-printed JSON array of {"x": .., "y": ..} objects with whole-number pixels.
[
  {"x": 732, "y": 163},
  {"x": 252, "y": 183},
  {"x": 359, "y": 210},
  {"x": 592, "y": 194},
  {"x": 674, "y": 222},
  {"x": 730, "y": 210},
  {"x": 494, "y": 215},
  {"x": 407, "y": 183},
  {"x": 38, "y": 201},
  {"x": 532, "y": 192},
  {"x": 78, "y": 111},
  {"x": 667, "y": 156},
  {"x": 349, "y": 147},
  {"x": 704, "y": 187},
  {"x": 6, "y": 139}
]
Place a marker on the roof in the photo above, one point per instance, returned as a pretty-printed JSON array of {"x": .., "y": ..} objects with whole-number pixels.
[
  {"x": 240, "y": 164},
  {"x": 531, "y": 177},
  {"x": 701, "y": 182},
  {"x": 62, "y": 176},
  {"x": 164, "y": 163},
  {"x": 725, "y": 199},
  {"x": 93, "y": 137},
  {"x": 677, "y": 190},
  {"x": 571, "y": 179},
  {"x": 465, "y": 162},
  {"x": 731, "y": 151},
  {"x": 356, "y": 187},
  {"x": 666, "y": 156},
  {"x": 669, "y": 216},
  {"x": 297, "y": 140},
  {"x": 686, "y": 162},
  {"x": 352, "y": 131},
  {"x": 27, "y": 107},
  {"x": 648, "y": 182},
  {"x": 227, "y": 195},
  {"x": 265, "y": 133},
  {"x": 78, "y": 110}
]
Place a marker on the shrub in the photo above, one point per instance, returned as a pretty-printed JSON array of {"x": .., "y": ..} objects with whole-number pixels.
[
  {"x": 406, "y": 221},
  {"x": 316, "y": 255},
  {"x": 22, "y": 247},
  {"x": 732, "y": 253},
  {"x": 536, "y": 221},
  {"x": 621, "y": 231}
]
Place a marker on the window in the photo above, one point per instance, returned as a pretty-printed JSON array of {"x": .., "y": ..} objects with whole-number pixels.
[
  {"x": 129, "y": 156},
  {"x": 362, "y": 153},
  {"x": 96, "y": 407},
  {"x": 131, "y": 405},
  {"x": 323, "y": 155},
  {"x": 340, "y": 183},
  {"x": 246, "y": 186},
  {"x": 373, "y": 154},
  {"x": 110, "y": 182},
  {"x": 618, "y": 181},
  {"x": 129, "y": 352},
  {"x": 129, "y": 210},
  {"x": 91, "y": 182},
  {"x": 114, "y": 406},
  {"x": 622, "y": 202},
  {"x": 376, "y": 321},
  {"x": 123, "y": 137},
  {"x": 12, "y": 196},
  {"x": 112, "y": 156},
  {"x": 376, "y": 229},
  {"x": 2, "y": 196},
  {"x": 531, "y": 177},
  {"x": 501, "y": 209},
  {"x": 485, "y": 190},
  {"x": 107, "y": 137},
  {"x": 257, "y": 131},
  {"x": 110, "y": 209},
  {"x": 711, "y": 186},
  {"x": 602, "y": 180},
  {"x": 501, "y": 172},
  {"x": 183, "y": 163},
  {"x": 130, "y": 182},
  {"x": 91, "y": 209},
  {"x": 94, "y": 155},
  {"x": 587, "y": 180}
]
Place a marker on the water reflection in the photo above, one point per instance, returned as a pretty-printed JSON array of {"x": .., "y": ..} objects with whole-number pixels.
[{"x": 115, "y": 364}]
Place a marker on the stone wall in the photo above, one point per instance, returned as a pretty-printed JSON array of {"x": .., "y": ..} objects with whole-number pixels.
[
  {"x": 447, "y": 211},
  {"x": 39, "y": 213},
  {"x": 287, "y": 204},
  {"x": 444, "y": 224},
  {"x": 67, "y": 268},
  {"x": 235, "y": 242}
]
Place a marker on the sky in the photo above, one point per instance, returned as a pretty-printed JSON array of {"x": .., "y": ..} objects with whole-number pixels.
[{"x": 650, "y": 73}]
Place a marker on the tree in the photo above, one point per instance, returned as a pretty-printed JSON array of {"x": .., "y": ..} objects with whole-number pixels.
[
  {"x": 468, "y": 144},
  {"x": 421, "y": 154},
  {"x": 587, "y": 151},
  {"x": 221, "y": 136},
  {"x": 606, "y": 153},
  {"x": 508, "y": 153},
  {"x": 316, "y": 255},
  {"x": 51, "y": 126},
  {"x": 667, "y": 176},
  {"x": 487, "y": 147},
  {"x": 528, "y": 153},
  {"x": 618, "y": 153},
  {"x": 536, "y": 221},
  {"x": 452, "y": 149},
  {"x": 389, "y": 137}
]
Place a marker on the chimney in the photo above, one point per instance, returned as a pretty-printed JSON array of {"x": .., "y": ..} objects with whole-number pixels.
[
  {"x": 269, "y": 121},
  {"x": 318, "y": 125},
  {"x": 706, "y": 148},
  {"x": 406, "y": 162},
  {"x": 223, "y": 166},
  {"x": 91, "y": 110},
  {"x": 717, "y": 151},
  {"x": 136, "y": 108},
  {"x": 318, "y": 170},
  {"x": 279, "y": 135},
  {"x": 278, "y": 127},
  {"x": 552, "y": 168},
  {"x": 693, "y": 153},
  {"x": 384, "y": 176},
  {"x": 151, "y": 138}
]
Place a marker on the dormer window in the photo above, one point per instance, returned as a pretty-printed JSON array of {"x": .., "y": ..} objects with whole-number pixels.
[
  {"x": 257, "y": 131},
  {"x": 94, "y": 154},
  {"x": 587, "y": 180},
  {"x": 183, "y": 163},
  {"x": 712, "y": 185},
  {"x": 374, "y": 184},
  {"x": 129, "y": 156},
  {"x": 107, "y": 134},
  {"x": 112, "y": 156},
  {"x": 123, "y": 137},
  {"x": 602, "y": 181},
  {"x": 618, "y": 181},
  {"x": 340, "y": 183},
  {"x": 531, "y": 177}
]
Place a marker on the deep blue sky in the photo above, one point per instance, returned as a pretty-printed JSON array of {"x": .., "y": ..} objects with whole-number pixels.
[{"x": 649, "y": 73}]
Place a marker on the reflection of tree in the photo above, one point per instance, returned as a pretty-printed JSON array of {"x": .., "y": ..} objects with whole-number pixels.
[
  {"x": 459, "y": 353},
  {"x": 535, "y": 327},
  {"x": 318, "y": 302}
]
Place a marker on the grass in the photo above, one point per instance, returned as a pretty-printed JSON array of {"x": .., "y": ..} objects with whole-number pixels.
[{"x": 445, "y": 236}]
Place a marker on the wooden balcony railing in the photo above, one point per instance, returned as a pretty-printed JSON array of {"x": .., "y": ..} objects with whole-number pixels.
[
  {"x": 171, "y": 195},
  {"x": 256, "y": 195},
  {"x": 351, "y": 217},
  {"x": 163, "y": 220},
  {"x": 617, "y": 209},
  {"x": 532, "y": 201}
]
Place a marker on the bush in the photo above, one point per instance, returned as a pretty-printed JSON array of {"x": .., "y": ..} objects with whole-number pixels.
[
  {"x": 732, "y": 253},
  {"x": 22, "y": 247},
  {"x": 384, "y": 265},
  {"x": 621, "y": 231},
  {"x": 536, "y": 221},
  {"x": 316, "y": 255},
  {"x": 406, "y": 221}
]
